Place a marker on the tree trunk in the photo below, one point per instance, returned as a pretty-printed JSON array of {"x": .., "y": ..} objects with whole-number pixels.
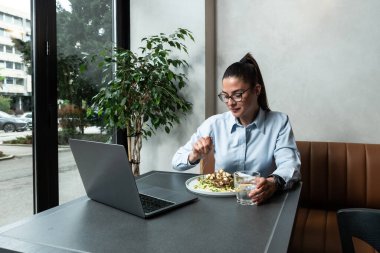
[
  {"x": 134, "y": 147},
  {"x": 136, "y": 155}
]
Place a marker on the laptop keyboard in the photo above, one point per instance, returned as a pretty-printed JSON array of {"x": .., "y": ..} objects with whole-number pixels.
[{"x": 151, "y": 204}]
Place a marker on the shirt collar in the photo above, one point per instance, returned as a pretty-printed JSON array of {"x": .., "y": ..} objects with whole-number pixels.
[{"x": 259, "y": 122}]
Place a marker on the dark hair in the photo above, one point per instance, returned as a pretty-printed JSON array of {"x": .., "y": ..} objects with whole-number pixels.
[{"x": 248, "y": 71}]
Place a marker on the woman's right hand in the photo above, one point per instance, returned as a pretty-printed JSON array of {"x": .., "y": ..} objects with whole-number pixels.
[{"x": 200, "y": 148}]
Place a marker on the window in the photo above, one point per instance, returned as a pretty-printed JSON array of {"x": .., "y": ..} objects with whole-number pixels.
[
  {"x": 9, "y": 80},
  {"x": 4, "y": 33},
  {"x": 17, "y": 21},
  {"x": 19, "y": 81},
  {"x": 71, "y": 25},
  {"x": 16, "y": 195},
  {"x": 18, "y": 66},
  {"x": 9, "y": 49},
  {"x": 9, "y": 65},
  {"x": 8, "y": 18},
  {"x": 48, "y": 173}
]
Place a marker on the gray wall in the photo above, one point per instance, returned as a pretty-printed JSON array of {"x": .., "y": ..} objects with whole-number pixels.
[
  {"x": 319, "y": 60},
  {"x": 153, "y": 17}
]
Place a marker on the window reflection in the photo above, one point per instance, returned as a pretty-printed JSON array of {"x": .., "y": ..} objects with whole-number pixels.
[
  {"x": 16, "y": 180},
  {"x": 83, "y": 29}
]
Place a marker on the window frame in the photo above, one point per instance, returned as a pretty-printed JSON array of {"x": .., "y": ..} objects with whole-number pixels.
[{"x": 44, "y": 64}]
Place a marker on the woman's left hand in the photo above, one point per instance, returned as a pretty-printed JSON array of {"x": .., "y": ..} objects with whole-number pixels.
[{"x": 265, "y": 188}]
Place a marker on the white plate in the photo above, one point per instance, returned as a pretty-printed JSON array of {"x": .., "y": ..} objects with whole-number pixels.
[{"x": 191, "y": 182}]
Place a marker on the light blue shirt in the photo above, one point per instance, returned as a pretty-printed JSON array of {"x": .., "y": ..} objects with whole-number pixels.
[{"x": 267, "y": 145}]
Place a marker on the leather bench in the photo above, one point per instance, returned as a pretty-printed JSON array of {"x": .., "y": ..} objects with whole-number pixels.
[{"x": 334, "y": 176}]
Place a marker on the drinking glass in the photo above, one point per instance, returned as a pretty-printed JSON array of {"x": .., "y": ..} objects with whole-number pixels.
[{"x": 244, "y": 182}]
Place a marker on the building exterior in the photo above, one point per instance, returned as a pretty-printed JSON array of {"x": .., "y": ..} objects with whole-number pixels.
[{"x": 16, "y": 82}]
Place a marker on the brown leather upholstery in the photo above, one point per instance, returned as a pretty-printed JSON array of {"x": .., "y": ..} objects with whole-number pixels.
[
  {"x": 334, "y": 176},
  {"x": 207, "y": 164}
]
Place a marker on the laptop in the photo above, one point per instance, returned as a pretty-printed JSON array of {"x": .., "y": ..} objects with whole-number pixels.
[{"x": 107, "y": 178}]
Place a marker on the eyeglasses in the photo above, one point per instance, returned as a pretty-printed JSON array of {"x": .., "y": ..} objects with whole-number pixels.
[{"x": 236, "y": 97}]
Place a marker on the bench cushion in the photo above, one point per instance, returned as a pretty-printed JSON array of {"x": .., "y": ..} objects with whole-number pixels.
[
  {"x": 339, "y": 175},
  {"x": 316, "y": 230}
]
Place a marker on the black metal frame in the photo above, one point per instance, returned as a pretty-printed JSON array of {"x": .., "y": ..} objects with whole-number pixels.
[
  {"x": 122, "y": 39},
  {"x": 45, "y": 134},
  {"x": 122, "y": 26}
]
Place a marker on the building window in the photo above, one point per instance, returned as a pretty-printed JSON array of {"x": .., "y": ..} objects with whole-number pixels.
[
  {"x": 8, "y": 18},
  {"x": 17, "y": 21},
  {"x": 1, "y": 15},
  {"x": 4, "y": 33},
  {"x": 9, "y": 80},
  {"x": 9, "y": 49},
  {"x": 9, "y": 65},
  {"x": 19, "y": 81},
  {"x": 18, "y": 65}
]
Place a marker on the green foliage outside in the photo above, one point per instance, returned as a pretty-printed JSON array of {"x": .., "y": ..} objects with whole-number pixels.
[
  {"x": 71, "y": 117},
  {"x": 86, "y": 29},
  {"x": 65, "y": 135},
  {"x": 1, "y": 80},
  {"x": 25, "y": 47},
  {"x": 5, "y": 104},
  {"x": 21, "y": 140},
  {"x": 63, "y": 138}
]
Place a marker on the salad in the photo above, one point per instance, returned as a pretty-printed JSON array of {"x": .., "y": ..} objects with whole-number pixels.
[{"x": 219, "y": 181}]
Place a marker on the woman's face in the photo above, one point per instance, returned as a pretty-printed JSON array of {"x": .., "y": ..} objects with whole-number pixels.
[{"x": 245, "y": 109}]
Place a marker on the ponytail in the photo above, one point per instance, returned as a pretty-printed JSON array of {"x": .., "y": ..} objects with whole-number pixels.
[{"x": 248, "y": 70}]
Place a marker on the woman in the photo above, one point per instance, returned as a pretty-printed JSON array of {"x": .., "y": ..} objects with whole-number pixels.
[{"x": 248, "y": 137}]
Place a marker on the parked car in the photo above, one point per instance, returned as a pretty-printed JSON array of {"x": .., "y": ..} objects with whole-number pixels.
[
  {"x": 9, "y": 123},
  {"x": 28, "y": 118}
]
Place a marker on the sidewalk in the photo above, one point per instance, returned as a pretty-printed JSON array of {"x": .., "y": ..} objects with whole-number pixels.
[
  {"x": 11, "y": 150},
  {"x": 16, "y": 150}
]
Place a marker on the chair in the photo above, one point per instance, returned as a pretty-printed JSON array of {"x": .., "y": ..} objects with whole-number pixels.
[
  {"x": 207, "y": 163},
  {"x": 362, "y": 223}
]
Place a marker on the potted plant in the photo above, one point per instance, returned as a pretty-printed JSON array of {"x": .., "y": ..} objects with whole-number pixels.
[{"x": 141, "y": 92}]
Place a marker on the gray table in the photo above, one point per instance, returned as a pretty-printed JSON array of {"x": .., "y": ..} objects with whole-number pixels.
[{"x": 210, "y": 224}]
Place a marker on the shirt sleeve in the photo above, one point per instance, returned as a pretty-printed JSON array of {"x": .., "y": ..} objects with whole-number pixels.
[
  {"x": 180, "y": 159},
  {"x": 286, "y": 156}
]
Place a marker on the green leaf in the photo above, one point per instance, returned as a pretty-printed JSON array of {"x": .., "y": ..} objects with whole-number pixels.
[
  {"x": 144, "y": 86},
  {"x": 83, "y": 68}
]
